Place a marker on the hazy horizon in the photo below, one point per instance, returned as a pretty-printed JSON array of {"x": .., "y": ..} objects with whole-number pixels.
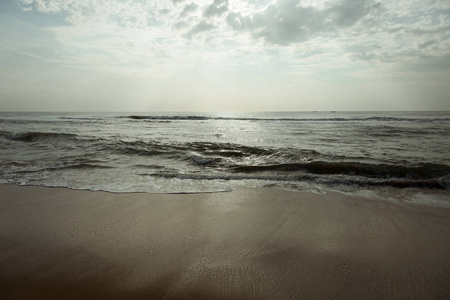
[
  {"x": 224, "y": 55},
  {"x": 212, "y": 111}
]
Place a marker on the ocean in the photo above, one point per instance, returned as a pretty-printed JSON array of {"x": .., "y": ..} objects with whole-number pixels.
[{"x": 212, "y": 152}]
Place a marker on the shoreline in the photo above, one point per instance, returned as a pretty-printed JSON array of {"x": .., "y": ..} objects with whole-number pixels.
[
  {"x": 424, "y": 197},
  {"x": 262, "y": 243},
  {"x": 117, "y": 193}
]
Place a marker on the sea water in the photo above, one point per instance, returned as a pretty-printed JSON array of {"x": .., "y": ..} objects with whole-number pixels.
[{"x": 207, "y": 152}]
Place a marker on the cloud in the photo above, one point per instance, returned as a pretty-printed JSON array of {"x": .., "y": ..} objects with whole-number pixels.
[
  {"x": 198, "y": 28},
  {"x": 127, "y": 14},
  {"x": 347, "y": 13},
  {"x": 217, "y": 8},
  {"x": 285, "y": 21},
  {"x": 188, "y": 9},
  {"x": 175, "y": 2},
  {"x": 367, "y": 31},
  {"x": 428, "y": 43},
  {"x": 429, "y": 30},
  {"x": 180, "y": 25},
  {"x": 46, "y": 7}
]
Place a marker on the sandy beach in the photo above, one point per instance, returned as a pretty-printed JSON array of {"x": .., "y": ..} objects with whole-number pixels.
[{"x": 247, "y": 244}]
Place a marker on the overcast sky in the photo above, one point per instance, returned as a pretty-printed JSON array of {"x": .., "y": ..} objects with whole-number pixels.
[{"x": 203, "y": 55}]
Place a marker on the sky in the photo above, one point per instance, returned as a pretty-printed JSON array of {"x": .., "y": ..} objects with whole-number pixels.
[{"x": 224, "y": 55}]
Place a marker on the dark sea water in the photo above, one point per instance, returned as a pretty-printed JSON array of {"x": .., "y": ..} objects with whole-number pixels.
[{"x": 199, "y": 152}]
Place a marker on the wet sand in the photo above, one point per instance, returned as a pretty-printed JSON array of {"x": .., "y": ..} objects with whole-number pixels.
[{"x": 247, "y": 244}]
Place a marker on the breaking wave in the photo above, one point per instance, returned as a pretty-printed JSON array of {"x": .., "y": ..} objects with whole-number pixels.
[
  {"x": 423, "y": 171},
  {"x": 442, "y": 183}
]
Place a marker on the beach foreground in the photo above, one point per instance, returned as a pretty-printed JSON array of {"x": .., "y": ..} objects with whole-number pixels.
[{"x": 248, "y": 244}]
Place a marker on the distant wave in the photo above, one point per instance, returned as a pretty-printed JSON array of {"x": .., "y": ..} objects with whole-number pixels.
[
  {"x": 186, "y": 150},
  {"x": 79, "y": 166},
  {"x": 82, "y": 118},
  {"x": 202, "y": 118},
  {"x": 36, "y": 136}
]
